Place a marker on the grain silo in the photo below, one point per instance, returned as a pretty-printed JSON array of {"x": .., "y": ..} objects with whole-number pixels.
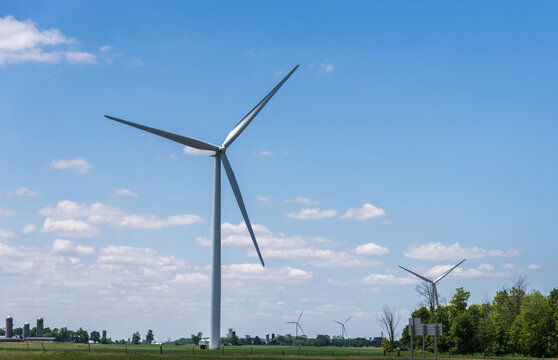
[
  {"x": 9, "y": 327},
  {"x": 40, "y": 327},
  {"x": 25, "y": 330}
]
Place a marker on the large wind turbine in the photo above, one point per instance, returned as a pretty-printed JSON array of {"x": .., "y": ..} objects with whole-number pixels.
[
  {"x": 433, "y": 283},
  {"x": 297, "y": 326},
  {"x": 343, "y": 330},
  {"x": 218, "y": 152}
]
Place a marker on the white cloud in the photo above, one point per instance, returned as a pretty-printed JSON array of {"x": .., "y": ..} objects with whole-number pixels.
[
  {"x": 76, "y": 57},
  {"x": 105, "y": 48},
  {"x": 23, "y": 191},
  {"x": 266, "y": 153},
  {"x": 367, "y": 211},
  {"x": 371, "y": 249},
  {"x": 29, "y": 229},
  {"x": 482, "y": 270},
  {"x": 196, "y": 152},
  {"x": 22, "y": 41},
  {"x": 264, "y": 199},
  {"x": 312, "y": 214},
  {"x": 533, "y": 267},
  {"x": 314, "y": 251},
  {"x": 326, "y": 68},
  {"x": 387, "y": 279},
  {"x": 440, "y": 251},
  {"x": 6, "y": 234},
  {"x": 64, "y": 216},
  {"x": 303, "y": 201},
  {"x": 81, "y": 166},
  {"x": 4, "y": 212},
  {"x": 258, "y": 272},
  {"x": 70, "y": 247},
  {"x": 69, "y": 227},
  {"x": 126, "y": 192},
  {"x": 193, "y": 278}
]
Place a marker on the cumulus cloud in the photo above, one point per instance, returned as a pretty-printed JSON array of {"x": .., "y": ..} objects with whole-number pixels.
[
  {"x": 6, "y": 234},
  {"x": 266, "y": 153},
  {"x": 371, "y": 249},
  {"x": 193, "y": 278},
  {"x": 367, "y": 211},
  {"x": 23, "y": 191},
  {"x": 23, "y": 41},
  {"x": 4, "y": 212},
  {"x": 69, "y": 227},
  {"x": 70, "y": 247},
  {"x": 440, "y": 251},
  {"x": 387, "y": 279},
  {"x": 126, "y": 192},
  {"x": 315, "y": 251},
  {"x": 81, "y": 166},
  {"x": 303, "y": 201},
  {"x": 196, "y": 152},
  {"x": 64, "y": 219},
  {"x": 256, "y": 271},
  {"x": 312, "y": 214},
  {"x": 533, "y": 267},
  {"x": 265, "y": 199},
  {"x": 29, "y": 229}
]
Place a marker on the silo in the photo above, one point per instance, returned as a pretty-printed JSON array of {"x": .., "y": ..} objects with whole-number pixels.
[
  {"x": 266, "y": 338},
  {"x": 25, "y": 330},
  {"x": 104, "y": 334},
  {"x": 40, "y": 327},
  {"x": 9, "y": 327}
]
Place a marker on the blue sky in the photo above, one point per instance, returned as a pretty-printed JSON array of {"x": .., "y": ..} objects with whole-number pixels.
[{"x": 434, "y": 122}]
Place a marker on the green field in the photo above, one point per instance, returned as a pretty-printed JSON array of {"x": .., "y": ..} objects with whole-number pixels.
[{"x": 114, "y": 352}]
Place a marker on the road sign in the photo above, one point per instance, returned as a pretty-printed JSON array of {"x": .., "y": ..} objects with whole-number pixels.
[{"x": 425, "y": 330}]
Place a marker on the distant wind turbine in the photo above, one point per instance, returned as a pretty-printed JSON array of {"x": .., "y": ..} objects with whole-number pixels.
[
  {"x": 343, "y": 330},
  {"x": 297, "y": 326},
  {"x": 218, "y": 152},
  {"x": 433, "y": 283}
]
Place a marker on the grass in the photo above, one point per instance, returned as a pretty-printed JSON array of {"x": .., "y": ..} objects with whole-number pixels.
[{"x": 66, "y": 351}]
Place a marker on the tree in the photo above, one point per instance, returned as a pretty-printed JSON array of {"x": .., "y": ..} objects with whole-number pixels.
[
  {"x": 426, "y": 294},
  {"x": 149, "y": 337},
  {"x": 196, "y": 338},
  {"x": 82, "y": 336},
  {"x": 95, "y": 336},
  {"x": 136, "y": 338},
  {"x": 389, "y": 321}
]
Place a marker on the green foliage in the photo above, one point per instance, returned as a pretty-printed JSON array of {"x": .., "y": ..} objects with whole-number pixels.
[
  {"x": 387, "y": 345},
  {"x": 149, "y": 337},
  {"x": 136, "y": 338},
  {"x": 196, "y": 338},
  {"x": 95, "y": 336}
]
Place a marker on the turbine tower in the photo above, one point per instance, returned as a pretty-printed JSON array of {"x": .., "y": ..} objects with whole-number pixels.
[
  {"x": 343, "y": 330},
  {"x": 297, "y": 326},
  {"x": 433, "y": 283},
  {"x": 218, "y": 152}
]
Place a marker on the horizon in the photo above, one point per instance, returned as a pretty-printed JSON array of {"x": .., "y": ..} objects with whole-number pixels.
[{"x": 413, "y": 134}]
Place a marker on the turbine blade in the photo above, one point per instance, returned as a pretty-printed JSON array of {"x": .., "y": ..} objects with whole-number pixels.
[
  {"x": 239, "y": 128},
  {"x": 447, "y": 272},
  {"x": 184, "y": 140},
  {"x": 290, "y": 322},
  {"x": 299, "y": 316},
  {"x": 301, "y": 328},
  {"x": 340, "y": 323},
  {"x": 238, "y": 195},
  {"x": 347, "y": 319},
  {"x": 414, "y": 273}
]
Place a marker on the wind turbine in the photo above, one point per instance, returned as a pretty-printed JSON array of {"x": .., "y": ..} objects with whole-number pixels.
[
  {"x": 218, "y": 152},
  {"x": 343, "y": 331},
  {"x": 433, "y": 283},
  {"x": 297, "y": 326}
]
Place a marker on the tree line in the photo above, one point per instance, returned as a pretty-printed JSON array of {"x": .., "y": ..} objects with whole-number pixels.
[
  {"x": 82, "y": 336},
  {"x": 514, "y": 322}
]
